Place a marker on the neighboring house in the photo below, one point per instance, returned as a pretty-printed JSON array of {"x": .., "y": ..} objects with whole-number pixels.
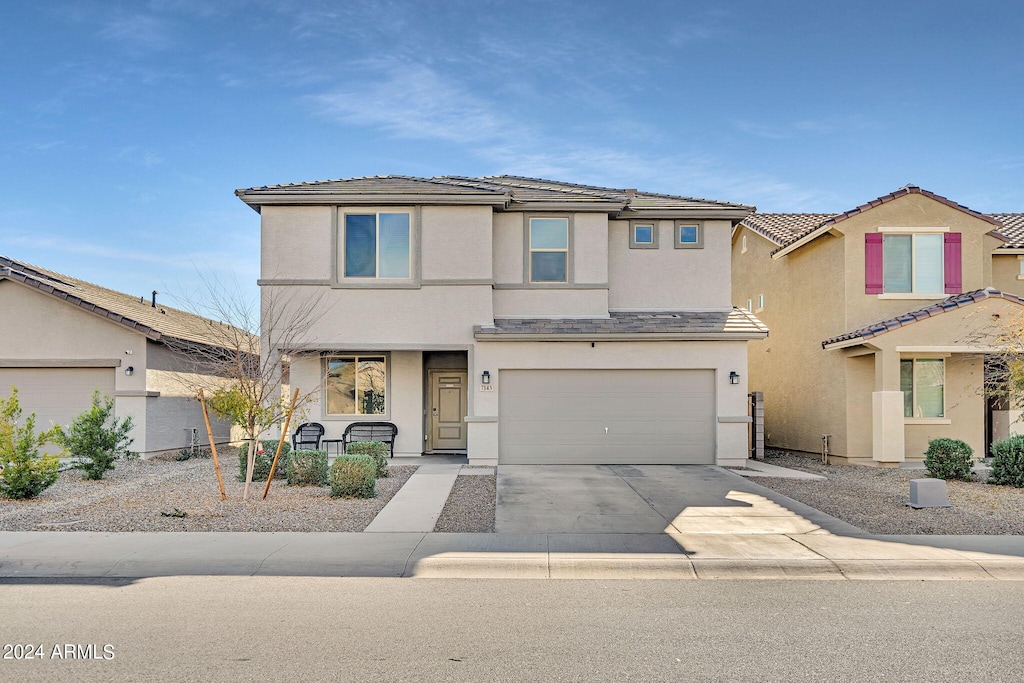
[
  {"x": 880, "y": 319},
  {"x": 65, "y": 338},
  {"x": 518, "y": 320}
]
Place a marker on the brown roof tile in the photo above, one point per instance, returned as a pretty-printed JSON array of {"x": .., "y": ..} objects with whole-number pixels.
[
  {"x": 944, "y": 306},
  {"x": 134, "y": 312},
  {"x": 737, "y": 322}
]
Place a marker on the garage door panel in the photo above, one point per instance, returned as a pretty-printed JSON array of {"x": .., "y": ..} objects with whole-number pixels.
[
  {"x": 56, "y": 395},
  {"x": 651, "y": 416}
]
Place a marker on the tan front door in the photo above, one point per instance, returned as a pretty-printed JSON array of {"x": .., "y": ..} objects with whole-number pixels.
[{"x": 447, "y": 410}]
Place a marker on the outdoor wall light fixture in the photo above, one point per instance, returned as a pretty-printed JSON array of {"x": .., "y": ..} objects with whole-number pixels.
[
  {"x": 129, "y": 371},
  {"x": 485, "y": 378},
  {"x": 734, "y": 377}
]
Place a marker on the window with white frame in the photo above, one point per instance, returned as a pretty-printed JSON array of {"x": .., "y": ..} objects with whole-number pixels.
[
  {"x": 689, "y": 235},
  {"x": 549, "y": 249},
  {"x": 760, "y": 302},
  {"x": 913, "y": 263},
  {"x": 750, "y": 305},
  {"x": 356, "y": 385},
  {"x": 922, "y": 381},
  {"x": 643, "y": 236},
  {"x": 375, "y": 245}
]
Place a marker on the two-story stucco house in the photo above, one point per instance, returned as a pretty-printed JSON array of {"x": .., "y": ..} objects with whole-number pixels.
[
  {"x": 517, "y": 320},
  {"x": 881, "y": 318}
]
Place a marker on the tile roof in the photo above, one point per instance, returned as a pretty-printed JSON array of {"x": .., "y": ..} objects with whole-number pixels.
[
  {"x": 737, "y": 323},
  {"x": 785, "y": 229},
  {"x": 904, "y": 319},
  {"x": 133, "y": 312},
  {"x": 503, "y": 190}
]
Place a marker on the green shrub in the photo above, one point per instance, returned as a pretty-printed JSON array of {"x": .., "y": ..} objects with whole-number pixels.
[
  {"x": 378, "y": 450},
  {"x": 187, "y": 453},
  {"x": 949, "y": 459},
  {"x": 1008, "y": 462},
  {"x": 263, "y": 461},
  {"x": 307, "y": 468},
  {"x": 23, "y": 472},
  {"x": 96, "y": 438},
  {"x": 353, "y": 476}
]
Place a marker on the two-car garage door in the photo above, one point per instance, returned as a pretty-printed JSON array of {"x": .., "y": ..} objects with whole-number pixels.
[
  {"x": 56, "y": 395},
  {"x": 607, "y": 417}
]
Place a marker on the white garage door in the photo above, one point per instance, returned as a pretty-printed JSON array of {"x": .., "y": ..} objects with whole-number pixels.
[
  {"x": 569, "y": 417},
  {"x": 55, "y": 395}
]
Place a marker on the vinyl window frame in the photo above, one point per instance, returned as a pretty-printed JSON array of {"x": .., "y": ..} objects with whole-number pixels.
[
  {"x": 340, "y": 281},
  {"x": 913, "y": 235},
  {"x": 677, "y": 234},
  {"x": 528, "y": 251},
  {"x": 914, "y": 391},
  {"x": 634, "y": 244},
  {"x": 355, "y": 357}
]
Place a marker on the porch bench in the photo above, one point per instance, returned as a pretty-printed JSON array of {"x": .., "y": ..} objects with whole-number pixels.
[{"x": 370, "y": 431}]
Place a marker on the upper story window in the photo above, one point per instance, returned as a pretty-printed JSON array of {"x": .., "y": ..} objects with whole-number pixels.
[
  {"x": 549, "y": 249},
  {"x": 689, "y": 235},
  {"x": 376, "y": 245},
  {"x": 913, "y": 263},
  {"x": 643, "y": 235},
  {"x": 922, "y": 263}
]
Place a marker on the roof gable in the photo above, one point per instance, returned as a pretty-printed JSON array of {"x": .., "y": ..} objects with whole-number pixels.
[
  {"x": 160, "y": 323},
  {"x": 791, "y": 231}
]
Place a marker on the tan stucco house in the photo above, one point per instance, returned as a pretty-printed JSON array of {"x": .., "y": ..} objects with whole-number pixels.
[
  {"x": 881, "y": 318},
  {"x": 515, "y": 319},
  {"x": 65, "y": 338}
]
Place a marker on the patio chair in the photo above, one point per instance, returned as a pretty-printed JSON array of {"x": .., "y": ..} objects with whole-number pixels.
[{"x": 307, "y": 437}]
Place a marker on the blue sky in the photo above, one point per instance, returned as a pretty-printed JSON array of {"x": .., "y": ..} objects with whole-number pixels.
[{"x": 125, "y": 127}]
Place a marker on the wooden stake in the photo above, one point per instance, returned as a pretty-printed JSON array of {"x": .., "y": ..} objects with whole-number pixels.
[
  {"x": 213, "y": 446},
  {"x": 280, "y": 442}
]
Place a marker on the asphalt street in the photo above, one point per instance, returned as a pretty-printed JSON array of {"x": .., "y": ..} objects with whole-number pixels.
[{"x": 370, "y": 629}]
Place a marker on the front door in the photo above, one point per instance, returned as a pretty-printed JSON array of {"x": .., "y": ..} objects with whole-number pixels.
[{"x": 446, "y": 410}]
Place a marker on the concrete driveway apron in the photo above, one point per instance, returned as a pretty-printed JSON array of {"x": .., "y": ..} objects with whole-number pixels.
[{"x": 639, "y": 499}]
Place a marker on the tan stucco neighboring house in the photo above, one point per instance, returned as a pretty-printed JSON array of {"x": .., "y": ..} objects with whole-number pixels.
[
  {"x": 881, "y": 318},
  {"x": 65, "y": 338},
  {"x": 515, "y": 319}
]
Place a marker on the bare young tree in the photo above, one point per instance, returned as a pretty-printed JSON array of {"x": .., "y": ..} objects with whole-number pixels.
[{"x": 241, "y": 367}]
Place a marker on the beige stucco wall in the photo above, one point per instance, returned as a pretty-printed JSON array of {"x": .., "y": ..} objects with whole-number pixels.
[
  {"x": 723, "y": 357},
  {"x": 804, "y": 388},
  {"x": 551, "y": 303},
  {"x": 456, "y": 242},
  {"x": 1006, "y": 275},
  {"x": 508, "y": 248},
  {"x": 666, "y": 277},
  {"x": 295, "y": 242},
  {"x": 51, "y": 330},
  {"x": 913, "y": 210}
]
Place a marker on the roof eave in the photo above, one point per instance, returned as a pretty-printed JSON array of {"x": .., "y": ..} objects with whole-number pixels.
[
  {"x": 621, "y": 336},
  {"x": 562, "y": 205},
  {"x": 318, "y": 198},
  {"x": 809, "y": 237},
  {"x": 696, "y": 213}
]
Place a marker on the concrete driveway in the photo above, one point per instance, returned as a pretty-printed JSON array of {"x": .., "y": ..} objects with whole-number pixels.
[{"x": 639, "y": 499}]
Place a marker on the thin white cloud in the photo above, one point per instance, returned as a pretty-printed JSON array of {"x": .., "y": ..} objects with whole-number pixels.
[
  {"x": 136, "y": 155},
  {"x": 139, "y": 31},
  {"x": 413, "y": 101}
]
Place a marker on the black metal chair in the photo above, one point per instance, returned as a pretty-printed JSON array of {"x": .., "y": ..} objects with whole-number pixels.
[{"x": 307, "y": 437}]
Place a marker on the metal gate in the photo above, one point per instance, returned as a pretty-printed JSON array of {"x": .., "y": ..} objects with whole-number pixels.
[{"x": 755, "y": 437}]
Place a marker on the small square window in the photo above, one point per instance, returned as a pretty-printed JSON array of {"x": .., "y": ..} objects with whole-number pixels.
[
  {"x": 643, "y": 235},
  {"x": 689, "y": 235}
]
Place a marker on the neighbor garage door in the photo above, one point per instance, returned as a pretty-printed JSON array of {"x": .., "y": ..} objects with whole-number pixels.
[
  {"x": 607, "y": 417},
  {"x": 56, "y": 395}
]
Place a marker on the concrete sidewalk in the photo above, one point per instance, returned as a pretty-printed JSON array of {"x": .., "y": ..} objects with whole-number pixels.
[{"x": 73, "y": 556}]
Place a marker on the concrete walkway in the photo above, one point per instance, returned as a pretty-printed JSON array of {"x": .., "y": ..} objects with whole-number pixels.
[{"x": 419, "y": 503}]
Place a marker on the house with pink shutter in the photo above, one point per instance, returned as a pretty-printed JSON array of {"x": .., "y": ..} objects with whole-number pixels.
[{"x": 881, "y": 320}]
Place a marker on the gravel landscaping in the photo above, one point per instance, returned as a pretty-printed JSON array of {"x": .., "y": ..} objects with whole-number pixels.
[
  {"x": 470, "y": 505},
  {"x": 875, "y": 500},
  {"x": 140, "y": 494}
]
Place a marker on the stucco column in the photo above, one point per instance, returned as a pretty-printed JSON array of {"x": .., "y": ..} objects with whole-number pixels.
[{"x": 887, "y": 431}]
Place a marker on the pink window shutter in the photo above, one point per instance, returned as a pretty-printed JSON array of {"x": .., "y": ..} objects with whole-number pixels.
[
  {"x": 873, "y": 263},
  {"x": 954, "y": 276}
]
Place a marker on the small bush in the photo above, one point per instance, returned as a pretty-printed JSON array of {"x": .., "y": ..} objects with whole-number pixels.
[
  {"x": 263, "y": 461},
  {"x": 378, "y": 450},
  {"x": 307, "y": 468},
  {"x": 1008, "y": 462},
  {"x": 949, "y": 459},
  {"x": 353, "y": 476},
  {"x": 97, "y": 438},
  {"x": 23, "y": 472},
  {"x": 187, "y": 453}
]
